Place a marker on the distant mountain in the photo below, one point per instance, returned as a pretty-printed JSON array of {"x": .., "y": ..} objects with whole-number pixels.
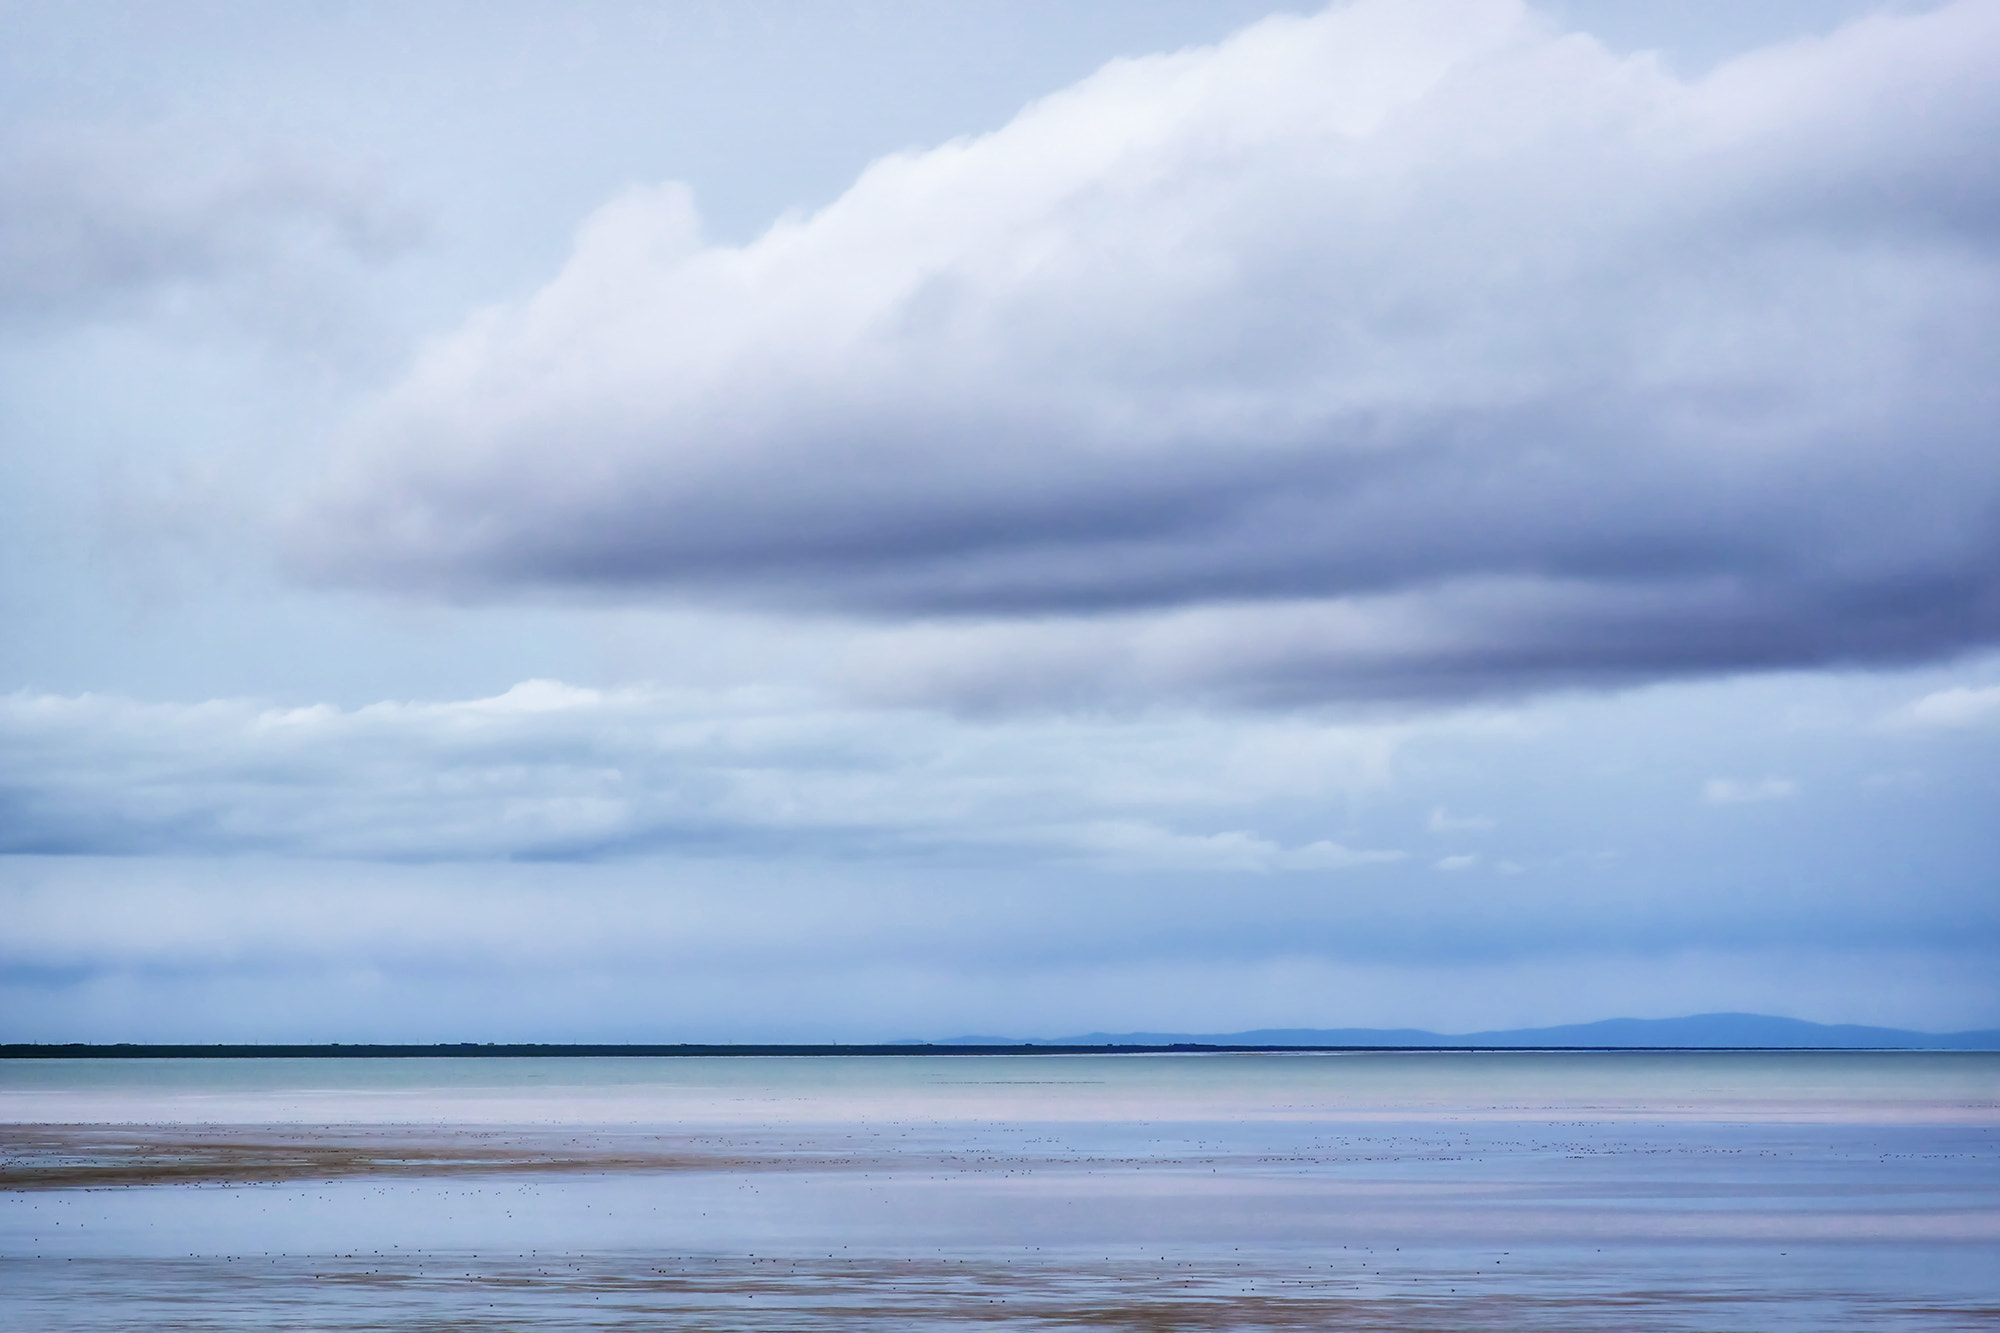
[{"x": 1700, "y": 1030}]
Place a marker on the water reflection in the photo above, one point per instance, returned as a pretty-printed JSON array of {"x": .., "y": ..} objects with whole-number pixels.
[{"x": 1520, "y": 1191}]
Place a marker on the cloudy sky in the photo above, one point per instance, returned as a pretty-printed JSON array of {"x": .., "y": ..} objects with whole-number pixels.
[{"x": 862, "y": 520}]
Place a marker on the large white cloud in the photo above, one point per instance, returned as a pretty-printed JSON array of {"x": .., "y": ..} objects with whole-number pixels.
[{"x": 1409, "y": 349}]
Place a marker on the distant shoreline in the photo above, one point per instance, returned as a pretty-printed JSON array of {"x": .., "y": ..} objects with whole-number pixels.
[{"x": 137, "y": 1051}]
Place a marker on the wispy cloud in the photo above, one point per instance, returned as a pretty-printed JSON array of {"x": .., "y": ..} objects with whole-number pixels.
[
  {"x": 1743, "y": 791},
  {"x": 97, "y": 220},
  {"x": 1138, "y": 846},
  {"x": 1960, "y": 708}
]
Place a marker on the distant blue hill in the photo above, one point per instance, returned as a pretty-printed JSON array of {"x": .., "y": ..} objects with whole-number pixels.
[{"x": 1700, "y": 1030}]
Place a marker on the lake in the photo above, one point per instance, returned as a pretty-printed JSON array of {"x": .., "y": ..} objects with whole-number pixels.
[{"x": 1375, "y": 1190}]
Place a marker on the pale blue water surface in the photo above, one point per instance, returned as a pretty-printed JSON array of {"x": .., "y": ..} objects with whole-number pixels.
[{"x": 1505, "y": 1190}]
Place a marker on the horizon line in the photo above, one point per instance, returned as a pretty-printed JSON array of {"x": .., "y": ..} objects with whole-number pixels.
[{"x": 396, "y": 1050}]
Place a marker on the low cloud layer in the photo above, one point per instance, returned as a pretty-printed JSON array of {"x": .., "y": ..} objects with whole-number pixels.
[
  {"x": 1402, "y": 351},
  {"x": 220, "y": 950},
  {"x": 654, "y": 863},
  {"x": 548, "y": 771}
]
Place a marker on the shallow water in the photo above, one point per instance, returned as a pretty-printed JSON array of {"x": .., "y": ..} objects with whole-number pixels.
[{"x": 1409, "y": 1191}]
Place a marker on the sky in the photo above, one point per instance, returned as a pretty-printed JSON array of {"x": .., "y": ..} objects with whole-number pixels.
[{"x": 859, "y": 521}]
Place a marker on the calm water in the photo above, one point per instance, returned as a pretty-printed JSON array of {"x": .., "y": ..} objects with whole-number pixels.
[{"x": 1508, "y": 1190}]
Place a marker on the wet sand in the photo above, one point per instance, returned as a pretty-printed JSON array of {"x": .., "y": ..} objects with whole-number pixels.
[
  {"x": 95, "y": 1156},
  {"x": 469, "y": 1292}
]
